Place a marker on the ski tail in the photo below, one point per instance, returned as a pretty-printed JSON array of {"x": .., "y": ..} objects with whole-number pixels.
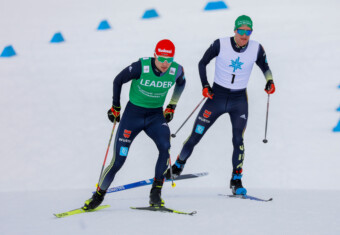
[
  {"x": 190, "y": 176},
  {"x": 163, "y": 209}
]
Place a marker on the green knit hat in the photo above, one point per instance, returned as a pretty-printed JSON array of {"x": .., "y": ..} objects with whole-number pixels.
[{"x": 243, "y": 20}]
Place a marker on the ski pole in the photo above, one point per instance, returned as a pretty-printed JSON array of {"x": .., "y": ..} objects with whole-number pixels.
[
  {"x": 107, "y": 151},
  {"x": 174, "y": 135},
  {"x": 265, "y": 133}
]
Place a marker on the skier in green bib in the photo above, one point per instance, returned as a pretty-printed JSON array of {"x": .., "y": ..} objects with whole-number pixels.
[{"x": 151, "y": 78}]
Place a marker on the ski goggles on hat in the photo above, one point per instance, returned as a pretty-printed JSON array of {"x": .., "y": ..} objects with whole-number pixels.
[
  {"x": 163, "y": 59},
  {"x": 244, "y": 32}
]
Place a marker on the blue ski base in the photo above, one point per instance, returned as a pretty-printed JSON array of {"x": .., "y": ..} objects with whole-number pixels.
[{"x": 150, "y": 181}]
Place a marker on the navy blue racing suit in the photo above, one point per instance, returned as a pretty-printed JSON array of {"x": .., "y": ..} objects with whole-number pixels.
[
  {"x": 224, "y": 100},
  {"x": 231, "y": 101},
  {"x": 136, "y": 119}
]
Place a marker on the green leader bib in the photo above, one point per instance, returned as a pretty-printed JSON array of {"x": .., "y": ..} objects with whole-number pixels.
[{"x": 149, "y": 91}]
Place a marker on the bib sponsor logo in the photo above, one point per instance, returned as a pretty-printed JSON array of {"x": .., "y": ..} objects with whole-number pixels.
[
  {"x": 146, "y": 69},
  {"x": 123, "y": 151},
  {"x": 157, "y": 84},
  {"x": 199, "y": 129},
  {"x": 206, "y": 113},
  {"x": 127, "y": 133},
  {"x": 172, "y": 71},
  {"x": 236, "y": 64}
]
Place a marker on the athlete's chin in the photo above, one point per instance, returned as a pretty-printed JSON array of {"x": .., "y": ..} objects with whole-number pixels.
[
  {"x": 164, "y": 69},
  {"x": 243, "y": 42}
]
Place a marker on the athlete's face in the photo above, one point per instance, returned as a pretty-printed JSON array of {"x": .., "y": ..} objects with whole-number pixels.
[
  {"x": 242, "y": 40},
  {"x": 163, "y": 67}
]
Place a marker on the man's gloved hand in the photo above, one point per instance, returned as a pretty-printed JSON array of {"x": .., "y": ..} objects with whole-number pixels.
[
  {"x": 270, "y": 87},
  {"x": 207, "y": 92},
  {"x": 169, "y": 112},
  {"x": 114, "y": 114}
]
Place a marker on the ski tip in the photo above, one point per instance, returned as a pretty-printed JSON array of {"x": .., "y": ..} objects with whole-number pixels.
[
  {"x": 79, "y": 210},
  {"x": 201, "y": 174},
  {"x": 61, "y": 215}
]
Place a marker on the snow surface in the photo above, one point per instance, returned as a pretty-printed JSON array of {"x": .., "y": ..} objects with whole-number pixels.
[{"x": 54, "y": 128}]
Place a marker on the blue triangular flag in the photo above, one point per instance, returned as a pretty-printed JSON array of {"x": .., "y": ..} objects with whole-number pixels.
[
  {"x": 104, "y": 25},
  {"x": 215, "y": 6},
  {"x": 337, "y": 128},
  {"x": 57, "y": 37},
  {"x": 152, "y": 13},
  {"x": 8, "y": 52}
]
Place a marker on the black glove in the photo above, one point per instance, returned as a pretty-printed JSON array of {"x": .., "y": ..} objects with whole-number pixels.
[
  {"x": 270, "y": 87},
  {"x": 114, "y": 114},
  {"x": 169, "y": 112}
]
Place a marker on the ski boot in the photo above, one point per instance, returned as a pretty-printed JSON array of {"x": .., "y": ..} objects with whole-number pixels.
[
  {"x": 236, "y": 184},
  {"x": 155, "y": 193},
  {"x": 96, "y": 199},
  {"x": 177, "y": 169}
]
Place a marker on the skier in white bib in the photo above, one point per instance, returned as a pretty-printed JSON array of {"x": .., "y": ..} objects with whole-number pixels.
[{"x": 235, "y": 57}]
